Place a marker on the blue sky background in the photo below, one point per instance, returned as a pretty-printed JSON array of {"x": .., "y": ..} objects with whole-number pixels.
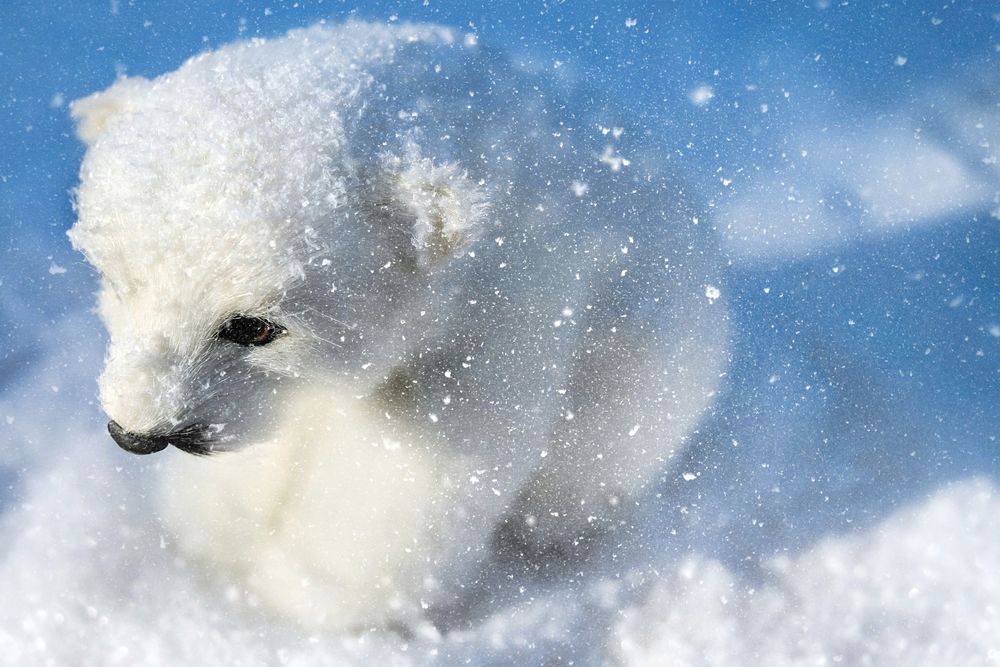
[
  {"x": 836, "y": 59},
  {"x": 860, "y": 138}
]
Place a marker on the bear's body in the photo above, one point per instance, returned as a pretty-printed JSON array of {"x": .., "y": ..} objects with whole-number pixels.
[{"x": 491, "y": 328}]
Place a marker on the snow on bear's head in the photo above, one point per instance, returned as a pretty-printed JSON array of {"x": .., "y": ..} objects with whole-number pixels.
[{"x": 248, "y": 239}]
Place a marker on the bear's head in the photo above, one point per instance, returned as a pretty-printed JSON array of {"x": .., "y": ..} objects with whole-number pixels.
[{"x": 247, "y": 242}]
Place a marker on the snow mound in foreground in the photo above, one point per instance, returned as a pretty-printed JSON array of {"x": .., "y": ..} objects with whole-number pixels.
[
  {"x": 917, "y": 589},
  {"x": 90, "y": 579}
]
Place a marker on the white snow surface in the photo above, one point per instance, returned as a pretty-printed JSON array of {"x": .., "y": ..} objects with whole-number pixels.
[
  {"x": 90, "y": 579},
  {"x": 915, "y": 590}
]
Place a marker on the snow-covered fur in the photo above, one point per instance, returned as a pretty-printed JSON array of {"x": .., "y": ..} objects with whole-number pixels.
[{"x": 496, "y": 335}]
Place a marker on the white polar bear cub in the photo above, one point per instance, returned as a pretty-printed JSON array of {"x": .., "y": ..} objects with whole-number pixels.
[{"x": 418, "y": 310}]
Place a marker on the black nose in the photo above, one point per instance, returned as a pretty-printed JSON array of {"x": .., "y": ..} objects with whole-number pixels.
[{"x": 134, "y": 442}]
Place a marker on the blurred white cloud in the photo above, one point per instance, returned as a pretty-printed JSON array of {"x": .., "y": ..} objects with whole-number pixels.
[{"x": 889, "y": 175}]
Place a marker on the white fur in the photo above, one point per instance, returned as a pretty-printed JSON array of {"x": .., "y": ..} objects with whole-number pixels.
[
  {"x": 331, "y": 512},
  {"x": 474, "y": 340}
]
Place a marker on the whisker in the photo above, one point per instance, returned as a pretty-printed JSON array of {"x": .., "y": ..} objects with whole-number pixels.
[
  {"x": 329, "y": 317},
  {"x": 328, "y": 341}
]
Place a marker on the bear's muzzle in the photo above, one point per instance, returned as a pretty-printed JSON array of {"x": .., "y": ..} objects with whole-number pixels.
[{"x": 191, "y": 440}]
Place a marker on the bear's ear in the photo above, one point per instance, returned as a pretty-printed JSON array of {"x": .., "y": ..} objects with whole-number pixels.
[
  {"x": 92, "y": 113},
  {"x": 447, "y": 209}
]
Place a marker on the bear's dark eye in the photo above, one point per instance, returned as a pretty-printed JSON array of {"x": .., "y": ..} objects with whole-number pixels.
[{"x": 250, "y": 331}]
